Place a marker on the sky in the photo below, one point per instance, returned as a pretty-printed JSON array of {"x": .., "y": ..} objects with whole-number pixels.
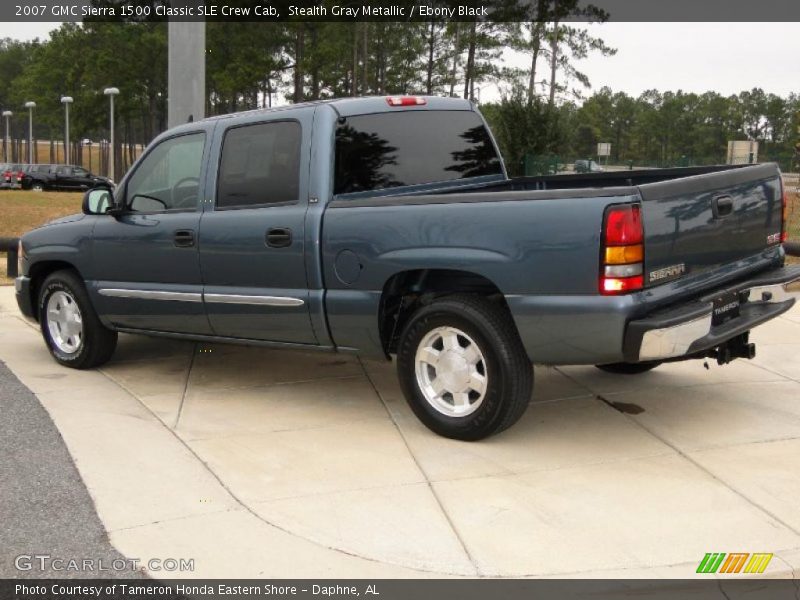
[{"x": 693, "y": 57}]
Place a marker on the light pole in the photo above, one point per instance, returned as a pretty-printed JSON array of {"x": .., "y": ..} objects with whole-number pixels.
[
  {"x": 66, "y": 101},
  {"x": 30, "y": 106},
  {"x": 7, "y": 139},
  {"x": 111, "y": 92}
]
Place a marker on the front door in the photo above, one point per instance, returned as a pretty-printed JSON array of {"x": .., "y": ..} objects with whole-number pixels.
[
  {"x": 252, "y": 246},
  {"x": 146, "y": 270}
]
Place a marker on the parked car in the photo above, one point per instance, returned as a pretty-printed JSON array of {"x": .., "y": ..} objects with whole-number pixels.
[
  {"x": 61, "y": 177},
  {"x": 587, "y": 166},
  {"x": 388, "y": 226},
  {"x": 12, "y": 175}
]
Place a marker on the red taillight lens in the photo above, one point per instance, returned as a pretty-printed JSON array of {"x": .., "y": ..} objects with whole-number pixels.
[
  {"x": 623, "y": 225},
  {"x": 622, "y": 254},
  {"x": 621, "y": 285},
  {"x": 405, "y": 100}
]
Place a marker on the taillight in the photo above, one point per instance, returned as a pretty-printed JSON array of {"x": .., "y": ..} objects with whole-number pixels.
[
  {"x": 20, "y": 175},
  {"x": 622, "y": 255},
  {"x": 405, "y": 100}
]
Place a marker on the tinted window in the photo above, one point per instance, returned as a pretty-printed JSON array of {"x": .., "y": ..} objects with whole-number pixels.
[
  {"x": 80, "y": 172},
  {"x": 411, "y": 147},
  {"x": 169, "y": 176},
  {"x": 260, "y": 165}
]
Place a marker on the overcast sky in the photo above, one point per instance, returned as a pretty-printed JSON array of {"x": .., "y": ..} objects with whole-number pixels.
[{"x": 694, "y": 57}]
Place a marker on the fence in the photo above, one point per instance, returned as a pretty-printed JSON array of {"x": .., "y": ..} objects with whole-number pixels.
[{"x": 93, "y": 156}]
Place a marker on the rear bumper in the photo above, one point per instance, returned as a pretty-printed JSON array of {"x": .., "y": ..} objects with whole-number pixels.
[
  {"x": 22, "y": 285},
  {"x": 688, "y": 329}
]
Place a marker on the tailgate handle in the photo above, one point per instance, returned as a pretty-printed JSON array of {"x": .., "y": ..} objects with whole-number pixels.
[{"x": 722, "y": 206}]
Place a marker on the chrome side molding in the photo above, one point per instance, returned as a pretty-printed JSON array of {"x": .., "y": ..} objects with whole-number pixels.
[
  {"x": 256, "y": 300},
  {"x": 198, "y": 297}
]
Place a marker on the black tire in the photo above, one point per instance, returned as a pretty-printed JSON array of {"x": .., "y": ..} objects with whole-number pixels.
[
  {"x": 37, "y": 186},
  {"x": 97, "y": 343},
  {"x": 508, "y": 372},
  {"x": 629, "y": 368}
]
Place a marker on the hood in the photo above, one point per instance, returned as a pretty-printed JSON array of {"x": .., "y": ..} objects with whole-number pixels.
[{"x": 67, "y": 219}]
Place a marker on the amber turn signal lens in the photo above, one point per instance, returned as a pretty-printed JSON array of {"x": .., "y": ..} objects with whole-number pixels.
[{"x": 621, "y": 255}]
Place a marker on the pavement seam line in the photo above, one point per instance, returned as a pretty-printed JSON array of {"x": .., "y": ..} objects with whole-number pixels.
[
  {"x": 185, "y": 386},
  {"x": 428, "y": 483},
  {"x": 247, "y": 508},
  {"x": 707, "y": 471},
  {"x": 682, "y": 454}
]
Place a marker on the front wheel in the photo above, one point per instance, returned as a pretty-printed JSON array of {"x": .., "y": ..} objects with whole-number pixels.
[
  {"x": 463, "y": 369},
  {"x": 71, "y": 329},
  {"x": 629, "y": 368}
]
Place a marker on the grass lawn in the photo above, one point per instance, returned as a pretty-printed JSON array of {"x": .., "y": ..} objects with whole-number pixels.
[{"x": 21, "y": 211}]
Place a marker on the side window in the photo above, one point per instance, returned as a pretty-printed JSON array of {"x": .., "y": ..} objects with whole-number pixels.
[
  {"x": 169, "y": 176},
  {"x": 260, "y": 165},
  {"x": 63, "y": 171},
  {"x": 80, "y": 172}
]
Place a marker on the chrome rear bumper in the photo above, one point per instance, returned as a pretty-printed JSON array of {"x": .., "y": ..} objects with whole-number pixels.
[{"x": 688, "y": 329}]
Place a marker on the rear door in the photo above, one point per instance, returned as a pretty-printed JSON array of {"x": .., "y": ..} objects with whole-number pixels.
[
  {"x": 252, "y": 236},
  {"x": 63, "y": 178},
  {"x": 698, "y": 224}
]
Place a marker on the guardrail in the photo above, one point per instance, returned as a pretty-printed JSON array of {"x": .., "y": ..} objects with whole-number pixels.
[{"x": 9, "y": 245}]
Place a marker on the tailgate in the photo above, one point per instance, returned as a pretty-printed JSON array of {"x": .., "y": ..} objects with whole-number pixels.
[{"x": 696, "y": 224}]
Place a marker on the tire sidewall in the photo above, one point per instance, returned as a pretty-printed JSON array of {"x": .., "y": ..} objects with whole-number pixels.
[
  {"x": 489, "y": 411},
  {"x": 51, "y": 286}
]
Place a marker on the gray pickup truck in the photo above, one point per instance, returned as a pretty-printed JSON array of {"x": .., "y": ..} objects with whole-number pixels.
[{"x": 389, "y": 226}]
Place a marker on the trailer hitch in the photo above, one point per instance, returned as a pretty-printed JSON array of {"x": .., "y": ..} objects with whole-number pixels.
[{"x": 737, "y": 347}]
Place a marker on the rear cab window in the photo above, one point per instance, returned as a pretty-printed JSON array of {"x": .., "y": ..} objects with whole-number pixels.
[{"x": 411, "y": 147}]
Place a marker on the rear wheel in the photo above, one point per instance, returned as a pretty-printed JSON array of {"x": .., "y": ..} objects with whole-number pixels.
[
  {"x": 37, "y": 186},
  {"x": 71, "y": 329},
  {"x": 463, "y": 369},
  {"x": 629, "y": 368}
]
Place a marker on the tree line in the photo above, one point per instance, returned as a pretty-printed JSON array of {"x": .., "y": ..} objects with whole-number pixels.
[
  {"x": 543, "y": 111},
  {"x": 659, "y": 129}
]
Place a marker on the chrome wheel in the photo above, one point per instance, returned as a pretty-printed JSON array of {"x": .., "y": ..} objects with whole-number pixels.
[
  {"x": 65, "y": 323},
  {"x": 451, "y": 371}
]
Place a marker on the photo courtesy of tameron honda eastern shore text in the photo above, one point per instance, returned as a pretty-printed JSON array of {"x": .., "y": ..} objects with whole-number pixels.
[{"x": 387, "y": 226}]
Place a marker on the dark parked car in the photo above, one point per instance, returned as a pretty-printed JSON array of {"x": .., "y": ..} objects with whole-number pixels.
[
  {"x": 388, "y": 226},
  {"x": 61, "y": 177}
]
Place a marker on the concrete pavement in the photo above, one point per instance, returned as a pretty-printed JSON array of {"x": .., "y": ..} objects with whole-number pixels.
[{"x": 260, "y": 463}]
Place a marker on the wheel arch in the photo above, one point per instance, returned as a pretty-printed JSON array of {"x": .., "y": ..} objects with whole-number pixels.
[
  {"x": 405, "y": 291},
  {"x": 39, "y": 271}
]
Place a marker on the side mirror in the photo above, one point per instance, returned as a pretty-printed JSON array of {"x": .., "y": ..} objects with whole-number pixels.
[{"x": 99, "y": 201}]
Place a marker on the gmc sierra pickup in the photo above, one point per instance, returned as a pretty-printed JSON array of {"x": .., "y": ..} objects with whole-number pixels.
[{"x": 388, "y": 226}]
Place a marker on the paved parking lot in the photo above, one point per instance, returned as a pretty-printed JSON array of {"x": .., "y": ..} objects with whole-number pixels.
[{"x": 259, "y": 463}]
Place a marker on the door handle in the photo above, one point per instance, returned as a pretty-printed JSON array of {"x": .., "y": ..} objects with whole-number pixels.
[
  {"x": 722, "y": 206},
  {"x": 279, "y": 237},
  {"x": 184, "y": 238}
]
